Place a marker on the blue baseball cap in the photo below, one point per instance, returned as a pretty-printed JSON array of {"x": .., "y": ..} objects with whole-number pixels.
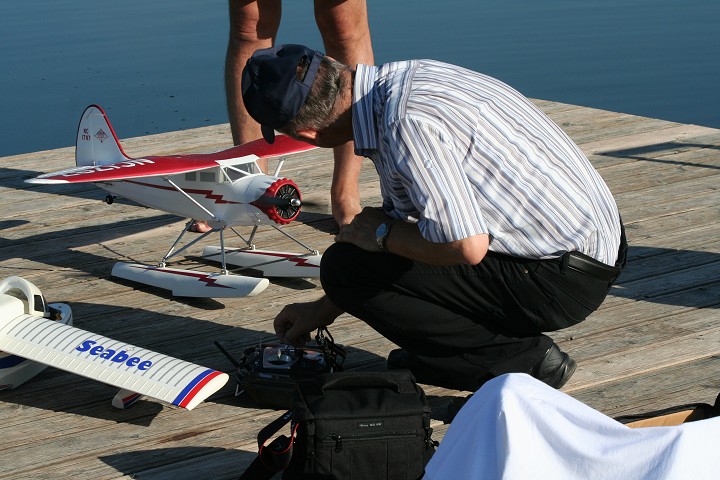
[{"x": 272, "y": 90}]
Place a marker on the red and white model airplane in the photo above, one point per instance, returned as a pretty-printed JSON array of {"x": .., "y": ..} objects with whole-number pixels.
[
  {"x": 224, "y": 188},
  {"x": 35, "y": 334}
]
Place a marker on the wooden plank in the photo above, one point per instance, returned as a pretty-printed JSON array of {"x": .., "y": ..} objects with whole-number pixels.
[
  {"x": 693, "y": 382},
  {"x": 654, "y": 342}
]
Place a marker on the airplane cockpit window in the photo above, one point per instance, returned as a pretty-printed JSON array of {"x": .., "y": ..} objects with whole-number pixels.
[
  {"x": 222, "y": 174},
  {"x": 232, "y": 174},
  {"x": 236, "y": 172},
  {"x": 207, "y": 176}
]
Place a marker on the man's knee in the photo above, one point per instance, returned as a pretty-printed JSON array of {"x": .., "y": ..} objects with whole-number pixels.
[
  {"x": 337, "y": 264},
  {"x": 254, "y": 21},
  {"x": 342, "y": 23}
]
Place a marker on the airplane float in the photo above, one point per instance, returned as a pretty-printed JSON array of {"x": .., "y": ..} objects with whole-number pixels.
[
  {"x": 35, "y": 334},
  {"x": 224, "y": 188}
]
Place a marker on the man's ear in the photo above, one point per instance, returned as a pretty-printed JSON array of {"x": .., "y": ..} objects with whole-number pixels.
[{"x": 308, "y": 135}]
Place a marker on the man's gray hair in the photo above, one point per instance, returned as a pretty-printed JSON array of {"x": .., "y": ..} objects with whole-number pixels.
[{"x": 315, "y": 112}]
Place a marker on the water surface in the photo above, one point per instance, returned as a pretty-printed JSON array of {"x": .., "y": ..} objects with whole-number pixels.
[{"x": 158, "y": 66}]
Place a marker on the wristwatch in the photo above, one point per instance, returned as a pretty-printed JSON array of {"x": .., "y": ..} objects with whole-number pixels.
[{"x": 381, "y": 235}]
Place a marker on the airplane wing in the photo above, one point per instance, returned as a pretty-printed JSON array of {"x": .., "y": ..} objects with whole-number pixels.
[
  {"x": 116, "y": 363},
  {"x": 283, "y": 146},
  {"x": 130, "y": 168},
  {"x": 154, "y": 166}
]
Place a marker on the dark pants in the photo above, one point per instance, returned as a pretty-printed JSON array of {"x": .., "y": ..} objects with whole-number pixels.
[{"x": 477, "y": 321}]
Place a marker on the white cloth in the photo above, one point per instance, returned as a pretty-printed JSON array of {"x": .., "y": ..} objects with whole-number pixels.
[{"x": 516, "y": 427}]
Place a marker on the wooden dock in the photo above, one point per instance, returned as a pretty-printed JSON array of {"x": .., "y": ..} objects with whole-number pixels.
[{"x": 655, "y": 341}]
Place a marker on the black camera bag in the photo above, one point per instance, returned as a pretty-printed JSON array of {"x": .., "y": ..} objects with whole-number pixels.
[{"x": 350, "y": 426}]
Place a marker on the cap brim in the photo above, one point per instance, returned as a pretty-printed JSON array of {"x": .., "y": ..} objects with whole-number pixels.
[{"x": 268, "y": 133}]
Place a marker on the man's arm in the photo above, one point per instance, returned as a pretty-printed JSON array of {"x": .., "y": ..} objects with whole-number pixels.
[
  {"x": 345, "y": 32},
  {"x": 405, "y": 240},
  {"x": 345, "y": 191}
]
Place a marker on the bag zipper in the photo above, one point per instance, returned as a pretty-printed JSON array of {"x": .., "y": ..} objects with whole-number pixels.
[{"x": 338, "y": 439}]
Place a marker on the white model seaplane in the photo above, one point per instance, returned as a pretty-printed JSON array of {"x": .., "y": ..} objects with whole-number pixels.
[
  {"x": 224, "y": 188},
  {"x": 35, "y": 334}
]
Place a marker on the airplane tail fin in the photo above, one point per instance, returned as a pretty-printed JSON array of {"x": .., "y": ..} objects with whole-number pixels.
[{"x": 96, "y": 142}]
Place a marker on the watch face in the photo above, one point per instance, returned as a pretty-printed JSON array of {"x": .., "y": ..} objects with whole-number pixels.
[
  {"x": 380, "y": 234},
  {"x": 381, "y": 230}
]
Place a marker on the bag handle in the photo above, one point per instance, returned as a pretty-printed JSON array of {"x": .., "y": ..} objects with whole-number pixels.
[
  {"x": 399, "y": 380},
  {"x": 275, "y": 456},
  {"x": 334, "y": 353}
]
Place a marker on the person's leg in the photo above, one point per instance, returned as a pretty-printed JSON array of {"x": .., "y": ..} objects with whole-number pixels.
[
  {"x": 345, "y": 31},
  {"x": 468, "y": 323},
  {"x": 199, "y": 226},
  {"x": 253, "y": 25}
]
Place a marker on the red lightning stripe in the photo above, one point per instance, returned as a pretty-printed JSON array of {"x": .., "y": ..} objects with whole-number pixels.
[
  {"x": 203, "y": 277},
  {"x": 298, "y": 260},
  {"x": 207, "y": 193}
]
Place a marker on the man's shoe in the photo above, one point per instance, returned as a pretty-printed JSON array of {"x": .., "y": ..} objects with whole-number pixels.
[
  {"x": 400, "y": 358},
  {"x": 555, "y": 368}
]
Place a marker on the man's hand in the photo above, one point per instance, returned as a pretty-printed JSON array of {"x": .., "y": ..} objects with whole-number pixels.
[
  {"x": 296, "y": 321},
  {"x": 361, "y": 231}
]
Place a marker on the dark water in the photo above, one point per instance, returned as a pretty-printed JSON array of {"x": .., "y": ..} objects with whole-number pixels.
[{"x": 157, "y": 66}]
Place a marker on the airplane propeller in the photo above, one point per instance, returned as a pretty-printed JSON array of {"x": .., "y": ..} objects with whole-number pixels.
[
  {"x": 284, "y": 202},
  {"x": 281, "y": 201}
]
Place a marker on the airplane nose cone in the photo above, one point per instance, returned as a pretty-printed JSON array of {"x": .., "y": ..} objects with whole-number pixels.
[{"x": 281, "y": 201}]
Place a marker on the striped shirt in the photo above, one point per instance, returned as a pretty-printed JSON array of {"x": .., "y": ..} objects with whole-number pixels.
[{"x": 463, "y": 154}]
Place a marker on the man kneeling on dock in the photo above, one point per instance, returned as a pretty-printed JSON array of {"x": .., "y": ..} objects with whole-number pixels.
[{"x": 494, "y": 226}]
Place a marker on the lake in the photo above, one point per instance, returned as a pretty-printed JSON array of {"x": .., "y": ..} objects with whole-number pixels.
[{"x": 158, "y": 66}]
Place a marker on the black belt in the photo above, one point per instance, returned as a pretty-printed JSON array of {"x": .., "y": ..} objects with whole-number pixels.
[{"x": 585, "y": 264}]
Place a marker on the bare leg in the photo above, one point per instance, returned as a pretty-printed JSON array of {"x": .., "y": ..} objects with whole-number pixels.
[
  {"x": 344, "y": 27},
  {"x": 200, "y": 226},
  {"x": 253, "y": 25}
]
